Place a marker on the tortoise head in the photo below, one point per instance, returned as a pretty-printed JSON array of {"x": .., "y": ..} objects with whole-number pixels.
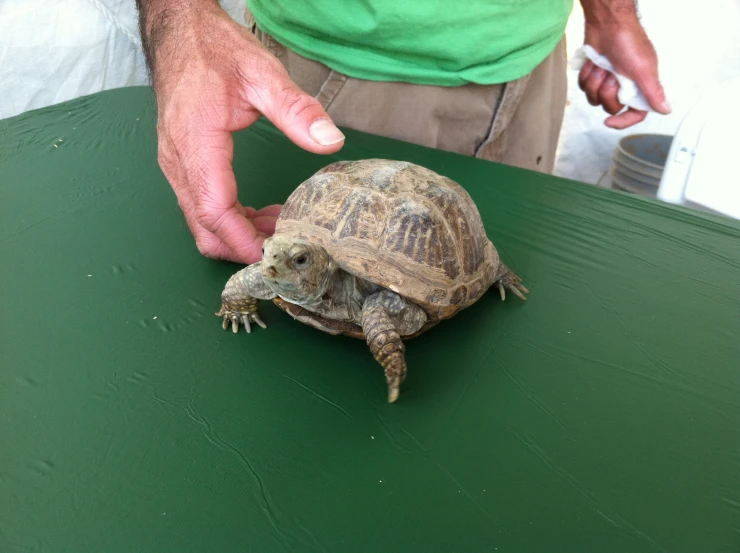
[{"x": 296, "y": 270}]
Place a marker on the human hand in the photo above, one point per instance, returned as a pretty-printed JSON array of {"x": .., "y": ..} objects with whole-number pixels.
[
  {"x": 626, "y": 45},
  {"x": 212, "y": 77}
]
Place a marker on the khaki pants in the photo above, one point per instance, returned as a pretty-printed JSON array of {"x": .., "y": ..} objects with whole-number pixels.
[{"x": 516, "y": 123}]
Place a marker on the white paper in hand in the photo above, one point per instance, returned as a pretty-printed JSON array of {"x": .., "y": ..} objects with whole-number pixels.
[{"x": 629, "y": 94}]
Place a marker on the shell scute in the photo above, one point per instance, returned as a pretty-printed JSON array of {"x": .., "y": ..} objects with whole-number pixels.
[
  {"x": 353, "y": 212},
  {"x": 418, "y": 233},
  {"x": 464, "y": 223},
  {"x": 304, "y": 197}
]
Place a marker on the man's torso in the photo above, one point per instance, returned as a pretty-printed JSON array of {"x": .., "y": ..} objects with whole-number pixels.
[{"x": 434, "y": 42}]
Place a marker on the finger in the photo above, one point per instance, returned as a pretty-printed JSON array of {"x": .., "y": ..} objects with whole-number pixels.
[
  {"x": 609, "y": 95},
  {"x": 207, "y": 162},
  {"x": 298, "y": 115},
  {"x": 169, "y": 162},
  {"x": 270, "y": 210},
  {"x": 649, "y": 84},
  {"x": 265, "y": 225},
  {"x": 593, "y": 84},
  {"x": 626, "y": 119},
  {"x": 211, "y": 246},
  {"x": 584, "y": 73},
  {"x": 239, "y": 234}
]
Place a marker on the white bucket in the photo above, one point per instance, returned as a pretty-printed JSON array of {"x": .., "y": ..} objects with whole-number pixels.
[{"x": 639, "y": 161}]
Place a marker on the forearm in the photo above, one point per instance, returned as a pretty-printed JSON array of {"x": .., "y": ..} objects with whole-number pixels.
[
  {"x": 604, "y": 12},
  {"x": 160, "y": 19}
]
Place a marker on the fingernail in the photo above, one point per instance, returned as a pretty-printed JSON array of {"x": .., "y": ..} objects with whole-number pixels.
[
  {"x": 666, "y": 106},
  {"x": 325, "y": 133},
  {"x": 611, "y": 81}
]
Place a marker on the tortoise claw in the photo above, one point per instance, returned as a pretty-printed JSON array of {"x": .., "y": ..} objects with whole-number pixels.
[
  {"x": 244, "y": 316},
  {"x": 245, "y": 322},
  {"x": 517, "y": 290},
  {"x": 509, "y": 281},
  {"x": 394, "y": 389},
  {"x": 256, "y": 318}
]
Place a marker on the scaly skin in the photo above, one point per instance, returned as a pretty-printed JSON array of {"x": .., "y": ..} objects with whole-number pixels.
[
  {"x": 386, "y": 317},
  {"x": 240, "y": 299},
  {"x": 386, "y": 346}
]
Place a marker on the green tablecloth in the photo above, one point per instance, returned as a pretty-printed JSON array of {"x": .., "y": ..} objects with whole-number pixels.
[{"x": 602, "y": 415}]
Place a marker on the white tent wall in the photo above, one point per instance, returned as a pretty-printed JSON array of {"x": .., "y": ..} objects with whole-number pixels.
[
  {"x": 52, "y": 51},
  {"x": 55, "y": 51}
]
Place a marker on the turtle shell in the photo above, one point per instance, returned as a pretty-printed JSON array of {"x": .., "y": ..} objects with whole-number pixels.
[{"x": 399, "y": 225}]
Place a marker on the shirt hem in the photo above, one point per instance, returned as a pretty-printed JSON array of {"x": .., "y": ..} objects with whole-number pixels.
[{"x": 352, "y": 66}]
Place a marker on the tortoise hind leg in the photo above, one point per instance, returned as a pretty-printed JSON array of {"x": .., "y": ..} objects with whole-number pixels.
[
  {"x": 507, "y": 280},
  {"x": 386, "y": 317}
]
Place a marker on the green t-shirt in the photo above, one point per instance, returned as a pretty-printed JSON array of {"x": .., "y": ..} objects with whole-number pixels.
[{"x": 435, "y": 42}]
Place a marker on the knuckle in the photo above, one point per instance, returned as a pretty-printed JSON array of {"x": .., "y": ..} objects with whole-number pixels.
[
  {"x": 210, "y": 246},
  {"x": 295, "y": 103},
  {"x": 260, "y": 75},
  {"x": 164, "y": 157},
  {"x": 264, "y": 67},
  {"x": 205, "y": 217},
  {"x": 168, "y": 164},
  {"x": 210, "y": 216},
  {"x": 204, "y": 247}
]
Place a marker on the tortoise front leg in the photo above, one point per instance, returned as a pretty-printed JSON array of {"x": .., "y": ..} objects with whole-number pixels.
[
  {"x": 240, "y": 299},
  {"x": 386, "y": 317}
]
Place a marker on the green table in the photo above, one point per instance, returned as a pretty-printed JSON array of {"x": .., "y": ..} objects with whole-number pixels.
[{"x": 602, "y": 415}]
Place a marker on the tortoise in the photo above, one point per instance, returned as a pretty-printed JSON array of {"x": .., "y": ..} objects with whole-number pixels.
[{"x": 375, "y": 249}]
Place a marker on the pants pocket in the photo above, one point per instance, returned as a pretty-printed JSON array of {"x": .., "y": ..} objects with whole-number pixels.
[{"x": 272, "y": 45}]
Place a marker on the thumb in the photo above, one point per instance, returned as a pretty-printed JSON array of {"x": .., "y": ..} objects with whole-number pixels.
[
  {"x": 649, "y": 83},
  {"x": 300, "y": 116}
]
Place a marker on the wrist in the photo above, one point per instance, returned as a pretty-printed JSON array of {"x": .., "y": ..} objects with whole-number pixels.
[
  {"x": 609, "y": 13},
  {"x": 154, "y": 13}
]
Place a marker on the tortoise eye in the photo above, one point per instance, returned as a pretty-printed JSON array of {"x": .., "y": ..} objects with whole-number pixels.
[{"x": 301, "y": 260}]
